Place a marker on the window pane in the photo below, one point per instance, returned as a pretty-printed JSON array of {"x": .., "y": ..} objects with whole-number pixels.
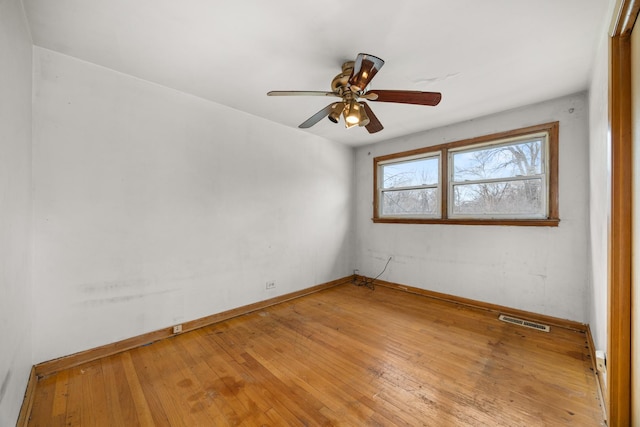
[
  {"x": 506, "y": 161},
  {"x": 410, "y": 202},
  {"x": 411, "y": 173},
  {"x": 508, "y": 197}
]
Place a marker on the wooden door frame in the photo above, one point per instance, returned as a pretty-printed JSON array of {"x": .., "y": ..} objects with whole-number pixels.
[{"x": 618, "y": 395}]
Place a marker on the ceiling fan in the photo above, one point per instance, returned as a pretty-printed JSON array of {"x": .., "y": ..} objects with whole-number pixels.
[{"x": 352, "y": 85}]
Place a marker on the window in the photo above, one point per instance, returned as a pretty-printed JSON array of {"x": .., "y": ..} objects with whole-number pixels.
[
  {"x": 410, "y": 187},
  {"x": 499, "y": 180},
  {"x": 509, "y": 178}
]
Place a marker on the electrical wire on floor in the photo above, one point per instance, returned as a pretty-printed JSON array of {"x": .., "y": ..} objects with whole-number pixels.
[{"x": 368, "y": 282}]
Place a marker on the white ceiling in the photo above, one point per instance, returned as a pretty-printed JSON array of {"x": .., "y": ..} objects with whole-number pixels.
[{"x": 484, "y": 56}]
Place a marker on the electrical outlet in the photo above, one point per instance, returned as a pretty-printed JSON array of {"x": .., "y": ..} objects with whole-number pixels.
[
  {"x": 271, "y": 285},
  {"x": 356, "y": 272},
  {"x": 177, "y": 329}
]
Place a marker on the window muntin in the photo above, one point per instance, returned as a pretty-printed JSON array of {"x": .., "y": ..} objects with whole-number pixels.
[
  {"x": 410, "y": 187},
  {"x": 502, "y": 179},
  {"x": 510, "y": 178}
]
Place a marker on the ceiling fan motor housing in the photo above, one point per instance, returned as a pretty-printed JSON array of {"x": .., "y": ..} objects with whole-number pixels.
[{"x": 341, "y": 81}]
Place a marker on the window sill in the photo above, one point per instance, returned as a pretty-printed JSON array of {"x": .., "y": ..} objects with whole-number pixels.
[{"x": 550, "y": 222}]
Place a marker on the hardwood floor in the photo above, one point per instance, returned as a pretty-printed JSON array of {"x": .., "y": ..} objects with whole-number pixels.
[{"x": 346, "y": 356}]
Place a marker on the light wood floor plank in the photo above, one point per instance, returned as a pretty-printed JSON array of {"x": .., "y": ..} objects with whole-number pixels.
[
  {"x": 119, "y": 401},
  {"x": 74, "y": 415},
  {"x": 137, "y": 397},
  {"x": 140, "y": 377},
  {"x": 340, "y": 357},
  {"x": 43, "y": 406}
]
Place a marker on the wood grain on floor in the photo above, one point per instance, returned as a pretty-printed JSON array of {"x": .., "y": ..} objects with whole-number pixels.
[{"x": 346, "y": 356}]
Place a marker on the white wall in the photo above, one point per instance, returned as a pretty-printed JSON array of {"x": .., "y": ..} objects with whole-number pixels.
[
  {"x": 599, "y": 192},
  {"x": 153, "y": 207},
  {"x": 15, "y": 208},
  {"x": 539, "y": 269}
]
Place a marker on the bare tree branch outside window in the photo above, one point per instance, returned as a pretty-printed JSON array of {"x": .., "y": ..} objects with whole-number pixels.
[
  {"x": 410, "y": 188},
  {"x": 506, "y": 179}
]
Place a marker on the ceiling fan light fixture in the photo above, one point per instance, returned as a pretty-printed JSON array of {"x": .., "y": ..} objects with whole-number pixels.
[
  {"x": 354, "y": 114},
  {"x": 336, "y": 110},
  {"x": 366, "y": 66},
  {"x": 353, "y": 119},
  {"x": 364, "y": 119}
]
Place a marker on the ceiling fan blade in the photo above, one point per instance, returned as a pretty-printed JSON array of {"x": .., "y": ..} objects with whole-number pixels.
[
  {"x": 300, "y": 93},
  {"x": 317, "y": 117},
  {"x": 374, "y": 124},
  {"x": 404, "y": 97},
  {"x": 365, "y": 67}
]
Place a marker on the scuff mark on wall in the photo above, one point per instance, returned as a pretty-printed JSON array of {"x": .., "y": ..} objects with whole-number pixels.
[
  {"x": 5, "y": 385},
  {"x": 122, "y": 298},
  {"x": 113, "y": 285}
]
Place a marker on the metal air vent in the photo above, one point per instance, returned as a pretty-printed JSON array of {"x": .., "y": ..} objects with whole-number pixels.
[{"x": 525, "y": 323}]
